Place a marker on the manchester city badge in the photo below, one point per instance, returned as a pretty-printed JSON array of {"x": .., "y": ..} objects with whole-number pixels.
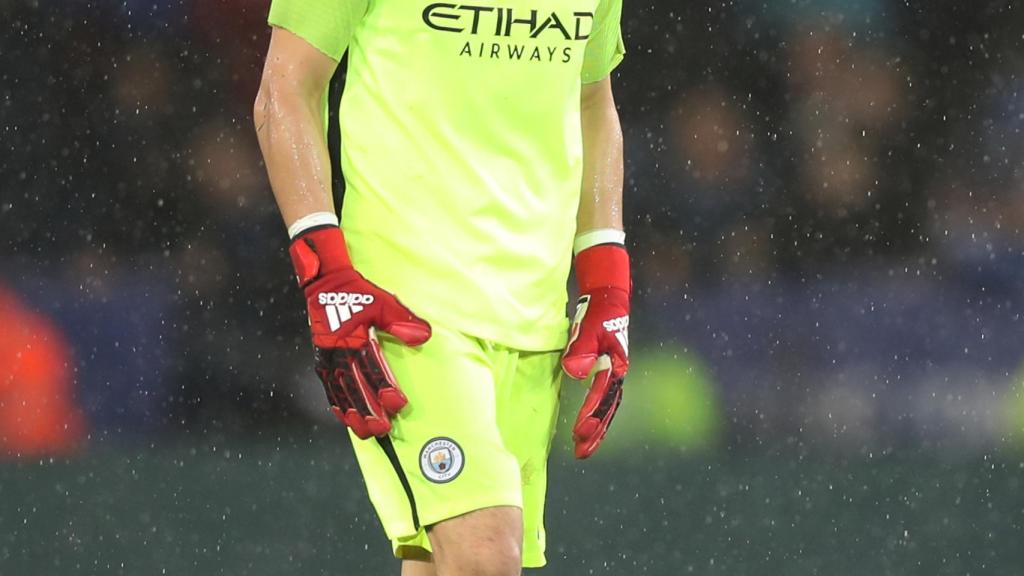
[{"x": 441, "y": 460}]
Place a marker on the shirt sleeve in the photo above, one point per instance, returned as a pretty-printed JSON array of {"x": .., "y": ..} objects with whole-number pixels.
[
  {"x": 605, "y": 48},
  {"x": 326, "y": 24}
]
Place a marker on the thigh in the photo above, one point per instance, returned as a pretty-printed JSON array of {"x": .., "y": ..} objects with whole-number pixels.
[
  {"x": 528, "y": 393},
  {"x": 490, "y": 537},
  {"x": 527, "y": 415},
  {"x": 421, "y": 567},
  {"x": 445, "y": 455}
]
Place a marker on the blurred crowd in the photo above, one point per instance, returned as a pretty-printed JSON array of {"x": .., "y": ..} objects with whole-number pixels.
[{"x": 824, "y": 204}]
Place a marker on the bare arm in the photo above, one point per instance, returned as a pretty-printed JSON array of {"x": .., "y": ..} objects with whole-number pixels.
[
  {"x": 288, "y": 115},
  {"x": 600, "y": 329},
  {"x": 601, "y": 198}
]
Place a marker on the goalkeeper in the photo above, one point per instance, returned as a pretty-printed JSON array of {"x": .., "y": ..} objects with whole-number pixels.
[{"x": 481, "y": 151}]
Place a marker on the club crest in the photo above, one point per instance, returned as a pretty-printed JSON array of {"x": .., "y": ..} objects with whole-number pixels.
[{"x": 441, "y": 460}]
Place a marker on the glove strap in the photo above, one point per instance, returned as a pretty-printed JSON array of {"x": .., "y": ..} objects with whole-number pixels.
[
  {"x": 314, "y": 220},
  {"x": 598, "y": 236},
  {"x": 602, "y": 266},
  {"x": 318, "y": 250}
]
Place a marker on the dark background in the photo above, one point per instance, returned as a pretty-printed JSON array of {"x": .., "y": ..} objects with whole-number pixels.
[{"x": 824, "y": 208}]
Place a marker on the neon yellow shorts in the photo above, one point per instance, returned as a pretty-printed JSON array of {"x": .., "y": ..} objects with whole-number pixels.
[{"x": 476, "y": 434}]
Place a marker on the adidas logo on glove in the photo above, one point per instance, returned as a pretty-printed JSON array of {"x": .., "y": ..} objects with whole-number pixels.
[
  {"x": 340, "y": 306},
  {"x": 620, "y": 326}
]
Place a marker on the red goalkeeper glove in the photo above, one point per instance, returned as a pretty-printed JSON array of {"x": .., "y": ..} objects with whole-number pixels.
[
  {"x": 344, "y": 309},
  {"x": 599, "y": 341}
]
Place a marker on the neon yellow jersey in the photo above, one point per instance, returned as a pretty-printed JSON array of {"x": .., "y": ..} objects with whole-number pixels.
[{"x": 462, "y": 150}]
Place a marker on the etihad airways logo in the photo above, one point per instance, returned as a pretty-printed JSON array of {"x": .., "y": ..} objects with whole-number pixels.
[{"x": 496, "y": 30}]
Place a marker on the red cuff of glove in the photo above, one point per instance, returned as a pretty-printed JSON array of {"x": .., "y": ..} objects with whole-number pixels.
[
  {"x": 317, "y": 251},
  {"x": 603, "y": 266}
]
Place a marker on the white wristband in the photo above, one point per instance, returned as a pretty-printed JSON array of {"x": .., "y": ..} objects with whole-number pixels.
[
  {"x": 595, "y": 237},
  {"x": 309, "y": 221}
]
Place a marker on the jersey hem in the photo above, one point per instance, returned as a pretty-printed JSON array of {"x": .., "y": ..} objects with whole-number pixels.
[
  {"x": 315, "y": 42},
  {"x": 545, "y": 340}
]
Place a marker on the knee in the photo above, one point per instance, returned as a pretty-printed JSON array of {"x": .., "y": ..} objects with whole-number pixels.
[
  {"x": 483, "y": 555},
  {"x": 487, "y": 542},
  {"x": 506, "y": 557}
]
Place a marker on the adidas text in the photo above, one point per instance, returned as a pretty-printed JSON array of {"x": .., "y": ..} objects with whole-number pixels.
[
  {"x": 620, "y": 326},
  {"x": 340, "y": 306},
  {"x": 344, "y": 298},
  {"x": 617, "y": 324}
]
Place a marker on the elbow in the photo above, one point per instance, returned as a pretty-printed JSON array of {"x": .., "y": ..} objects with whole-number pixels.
[
  {"x": 260, "y": 107},
  {"x": 269, "y": 100},
  {"x": 276, "y": 101}
]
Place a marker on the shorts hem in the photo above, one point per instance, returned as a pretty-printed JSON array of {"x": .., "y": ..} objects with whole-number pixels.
[
  {"x": 535, "y": 561},
  {"x": 531, "y": 558},
  {"x": 465, "y": 507}
]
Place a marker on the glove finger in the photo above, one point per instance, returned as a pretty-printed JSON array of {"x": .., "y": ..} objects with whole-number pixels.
[
  {"x": 620, "y": 362},
  {"x": 580, "y": 355},
  {"x": 599, "y": 387},
  {"x": 400, "y": 322},
  {"x": 353, "y": 420},
  {"x": 328, "y": 371},
  {"x": 350, "y": 407},
  {"x": 596, "y": 414},
  {"x": 382, "y": 379},
  {"x": 366, "y": 402}
]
